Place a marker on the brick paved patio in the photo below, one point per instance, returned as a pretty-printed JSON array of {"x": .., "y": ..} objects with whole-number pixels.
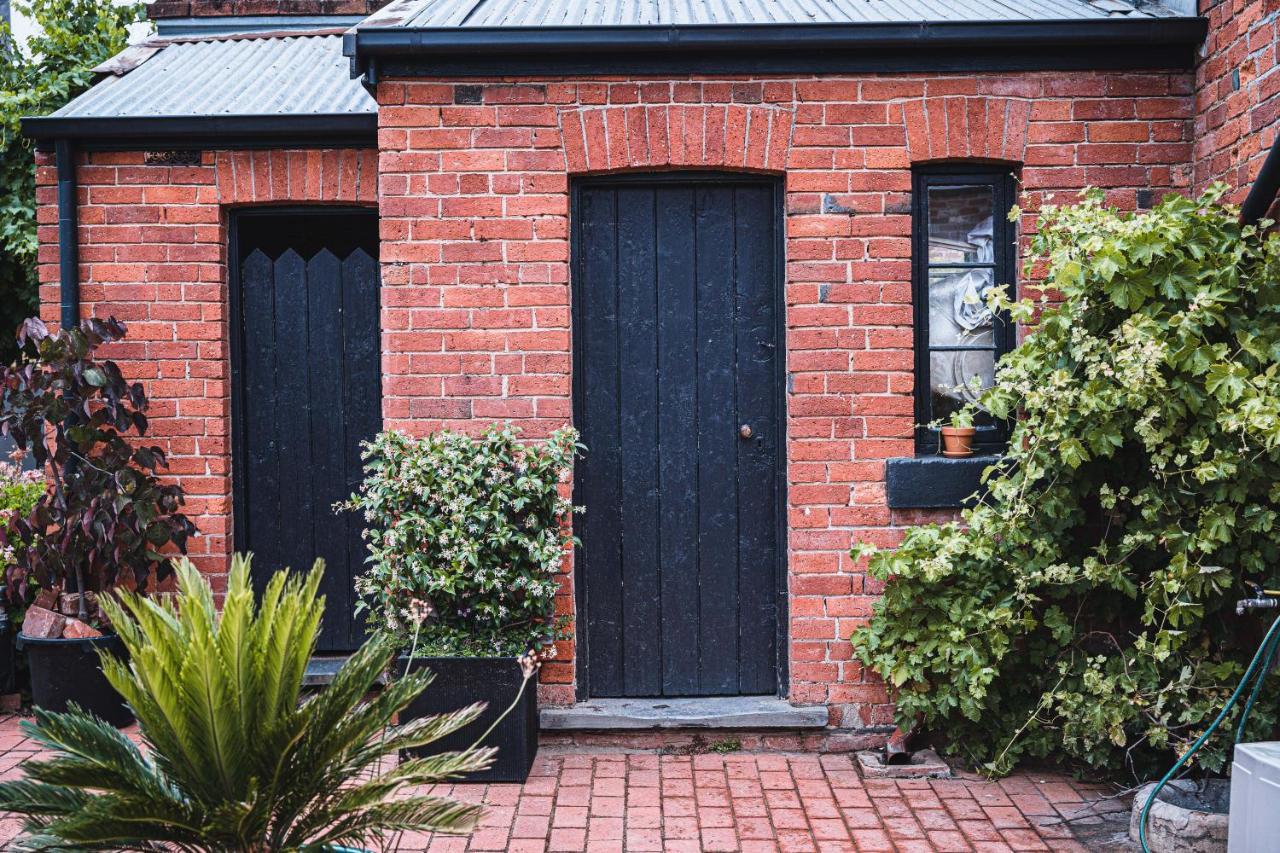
[{"x": 601, "y": 799}]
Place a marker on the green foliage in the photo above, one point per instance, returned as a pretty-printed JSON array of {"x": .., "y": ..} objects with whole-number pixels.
[
  {"x": 107, "y": 516},
  {"x": 466, "y": 537},
  {"x": 725, "y": 746},
  {"x": 1084, "y": 608},
  {"x": 19, "y": 490},
  {"x": 72, "y": 37},
  {"x": 236, "y": 759}
]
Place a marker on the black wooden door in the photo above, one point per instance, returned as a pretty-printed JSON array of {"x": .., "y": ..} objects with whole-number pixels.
[
  {"x": 307, "y": 391},
  {"x": 677, "y": 365}
]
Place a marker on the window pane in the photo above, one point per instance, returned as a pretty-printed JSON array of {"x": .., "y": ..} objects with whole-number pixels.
[
  {"x": 950, "y": 374},
  {"x": 960, "y": 225},
  {"x": 958, "y": 313}
]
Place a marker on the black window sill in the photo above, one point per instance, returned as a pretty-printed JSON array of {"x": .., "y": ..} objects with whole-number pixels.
[{"x": 935, "y": 482}]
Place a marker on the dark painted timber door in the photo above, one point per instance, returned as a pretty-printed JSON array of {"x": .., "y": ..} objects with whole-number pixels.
[
  {"x": 677, "y": 395},
  {"x": 306, "y": 392}
]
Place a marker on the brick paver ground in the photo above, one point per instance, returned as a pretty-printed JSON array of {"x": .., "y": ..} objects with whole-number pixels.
[{"x": 601, "y": 799}]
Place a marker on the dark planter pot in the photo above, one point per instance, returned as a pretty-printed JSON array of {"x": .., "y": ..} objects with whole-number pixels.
[
  {"x": 460, "y": 682},
  {"x": 68, "y": 671},
  {"x": 8, "y": 655}
]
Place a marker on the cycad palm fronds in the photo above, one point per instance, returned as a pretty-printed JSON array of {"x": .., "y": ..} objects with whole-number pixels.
[{"x": 235, "y": 758}]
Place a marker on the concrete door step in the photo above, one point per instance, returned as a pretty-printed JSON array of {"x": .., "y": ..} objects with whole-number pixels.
[
  {"x": 727, "y": 712},
  {"x": 322, "y": 668}
]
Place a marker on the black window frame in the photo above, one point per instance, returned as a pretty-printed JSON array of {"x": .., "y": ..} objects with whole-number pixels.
[{"x": 1003, "y": 183}]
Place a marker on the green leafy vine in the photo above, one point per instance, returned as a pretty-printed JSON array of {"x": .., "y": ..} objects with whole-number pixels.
[{"x": 1084, "y": 608}]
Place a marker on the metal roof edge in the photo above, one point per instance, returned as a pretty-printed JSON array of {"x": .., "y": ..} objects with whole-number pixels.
[
  {"x": 142, "y": 131},
  {"x": 379, "y": 41},
  {"x": 196, "y": 27}
]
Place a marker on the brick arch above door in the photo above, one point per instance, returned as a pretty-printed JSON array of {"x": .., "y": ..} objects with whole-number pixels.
[
  {"x": 966, "y": 128},
  {"x": 730, "y": 136}
]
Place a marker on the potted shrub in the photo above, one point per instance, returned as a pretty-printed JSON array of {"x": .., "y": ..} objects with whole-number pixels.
[
  {"x": 957, "y": 439},
  {"x": 237, "y": 759},
  {"x": 101, "y": 523},
  {"x": 467, "y": 536}
]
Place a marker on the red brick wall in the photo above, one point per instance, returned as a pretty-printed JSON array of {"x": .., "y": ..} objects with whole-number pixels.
[
  {"x": 472, "y": 187},
  {"x": 153, "y": 253},
  {"x": 1237, "y": 92},
  {"x": 474, "y": 201}
]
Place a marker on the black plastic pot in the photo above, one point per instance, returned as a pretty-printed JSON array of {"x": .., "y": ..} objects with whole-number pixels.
[
  {"x": 460, "y": 682},
  {"x": 69, "y": 671},
  {"x": 8, "y": 668}
]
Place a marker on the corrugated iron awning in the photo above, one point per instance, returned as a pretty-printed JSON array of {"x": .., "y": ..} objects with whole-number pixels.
[
  {"x": 521, "y": 37},
  {"x": 274, "y": 87},
  {"x": 621, "y": 13}
]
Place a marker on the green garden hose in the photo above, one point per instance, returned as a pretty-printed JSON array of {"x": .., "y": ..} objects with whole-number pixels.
[{"x": 1258, "y": 667}]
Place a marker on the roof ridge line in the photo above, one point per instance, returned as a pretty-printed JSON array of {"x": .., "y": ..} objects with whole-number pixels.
[{"x": 165, "y": 41}]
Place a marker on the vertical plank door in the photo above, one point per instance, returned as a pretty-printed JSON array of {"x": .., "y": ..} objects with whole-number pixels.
[
  {"x": 677, "y": 394},
  {"x": 308, "y": 391}
]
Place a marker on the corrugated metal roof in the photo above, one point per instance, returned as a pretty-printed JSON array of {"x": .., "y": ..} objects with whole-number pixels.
[
  {"x": 273, "y": 75},
  {"x": 431, "y": 14}
]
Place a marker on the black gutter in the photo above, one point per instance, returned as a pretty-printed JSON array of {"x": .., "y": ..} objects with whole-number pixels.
[
  {"x": 1263, "y": 192},
  {"x": 614, "y": 47},
  {"x": 208, "y": 131},
  {"x": 68, "y": 236},
  {"x": 383, "y": 41}
]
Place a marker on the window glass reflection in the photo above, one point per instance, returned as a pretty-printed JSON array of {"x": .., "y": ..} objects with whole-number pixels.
[
  {"x": 958, "y": 313},
  {"x": 960, "y": 225}
]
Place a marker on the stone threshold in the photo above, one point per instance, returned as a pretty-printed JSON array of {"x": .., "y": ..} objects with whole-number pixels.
[
  {"x": 719, "y": 712},
  {"x": 322, "y": 668}
]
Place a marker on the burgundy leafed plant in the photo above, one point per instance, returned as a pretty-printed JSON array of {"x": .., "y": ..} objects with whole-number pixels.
[{"x": 106, "y": 516}]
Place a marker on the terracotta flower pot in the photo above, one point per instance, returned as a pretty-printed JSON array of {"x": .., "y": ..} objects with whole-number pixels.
[{"x": 957, "y": 441}]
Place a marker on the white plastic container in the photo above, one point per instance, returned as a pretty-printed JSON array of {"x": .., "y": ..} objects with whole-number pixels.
[{"x": 1254, "y": 825}]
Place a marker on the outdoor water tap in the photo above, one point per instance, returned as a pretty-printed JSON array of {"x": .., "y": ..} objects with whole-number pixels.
[{"x": 1261, "y": 600}]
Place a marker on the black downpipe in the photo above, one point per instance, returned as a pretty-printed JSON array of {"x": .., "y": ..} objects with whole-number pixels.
[
  {"x": 69, "y": 279},
  {"x": 1263, "y": 192},
  {"x": 68, "y": 238}
]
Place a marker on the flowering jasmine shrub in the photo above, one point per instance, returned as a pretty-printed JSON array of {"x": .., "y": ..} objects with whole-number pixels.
[
  {"x": 466, "y": 536},
  {"x": 19, "y": 492},
  {"x": 1085, "y": 607}
]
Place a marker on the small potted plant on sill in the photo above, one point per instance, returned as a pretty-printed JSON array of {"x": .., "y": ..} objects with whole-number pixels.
[
  {"x": 102, "y": 520},
  {"x": 467, "y": 536},
  {"x": 957, "y": 439}
]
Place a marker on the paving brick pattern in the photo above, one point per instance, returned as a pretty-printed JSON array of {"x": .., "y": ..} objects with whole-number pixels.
[{"x": 600, "y": 799}]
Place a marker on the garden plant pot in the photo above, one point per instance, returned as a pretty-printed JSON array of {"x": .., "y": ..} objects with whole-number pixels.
[
  {"x": 8, "y": 656},
  {"x": 957, "y": 441},
  {"x": 462, "y": 681},
  {"x": 69, "y": 671}
]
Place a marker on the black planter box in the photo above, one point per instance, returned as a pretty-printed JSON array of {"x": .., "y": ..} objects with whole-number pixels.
[
  {"x": 462, "y": 681},
  {"x": 8, "y": 655},
  {"x": 69, "y": 671}
]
